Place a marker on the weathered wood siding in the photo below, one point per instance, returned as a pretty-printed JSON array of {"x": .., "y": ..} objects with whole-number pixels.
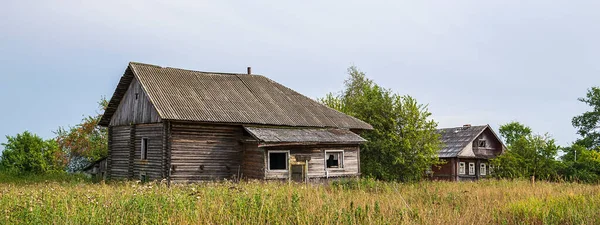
[
  {"x": 253, "y": 162},
  {"x": 446, "y": 171},
  {"x": 205, "y": 152},
  {"x": 135, "y": 111},
  {"x": 152, "y": 166},
  {"x": 118, "y": 161},
  {"x": 316, "y": 166},
  {"x": 493, "y": 146}
]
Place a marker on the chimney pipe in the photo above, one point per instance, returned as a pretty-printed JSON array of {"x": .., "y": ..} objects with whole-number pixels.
[{"x": 249, "y": 70}]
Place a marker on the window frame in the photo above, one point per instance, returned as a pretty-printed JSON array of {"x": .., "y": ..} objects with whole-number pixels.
[
  {"x": 482, "y": 169},
  {"x": 474, "y": 170},
  {"x": 144, "y": 149},
  {"x": 340, "y": 160},
  {"x": 463, "y": 166},
  {"x": 287, "y": 160},
  {"x": 479, "y": 145}
]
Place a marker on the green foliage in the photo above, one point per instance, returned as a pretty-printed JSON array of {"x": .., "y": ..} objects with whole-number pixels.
[
  {"x": 512, "y": 131},
  {"x": 581, "y": 164},
  {"x": 588, "y": 123},
  {"x": 28, "y": 153},
  {"x": 87, "y": 139},
  {"x": 527, "y": 154},
  {"x": 404, "y": 142}
]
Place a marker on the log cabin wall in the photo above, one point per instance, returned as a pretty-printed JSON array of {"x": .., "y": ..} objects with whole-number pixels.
[
  {"x": 316, "y": 165},
  {"x": 204, "y": 151},
  {"x": 135, "y": 107},
  {"x": 152, "y": 165},
  {"x": 446, "y": 171},
  {"x": 118, "y": 160},
  {"x": 253, "y": 162}
]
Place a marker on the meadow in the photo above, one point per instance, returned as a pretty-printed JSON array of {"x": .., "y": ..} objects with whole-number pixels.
[{"x": 75, "y": 200}]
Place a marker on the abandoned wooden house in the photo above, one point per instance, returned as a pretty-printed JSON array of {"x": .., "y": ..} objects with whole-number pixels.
[
  {"x": 466, "y": 151},
  {"x": 184, "y": 125}
]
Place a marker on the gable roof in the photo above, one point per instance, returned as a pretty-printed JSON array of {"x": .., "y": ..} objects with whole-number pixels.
[
  {"x": 455, "y": 139},
  {"x": 187, "y": 95}
]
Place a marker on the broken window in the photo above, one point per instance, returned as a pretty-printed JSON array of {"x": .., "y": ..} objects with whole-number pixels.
[
  {"x": 461, "y": 168},
  {"x": 482, "y": 144},
  {"x": 471, "y": 168},
  {"x": 144, "y": 153},
  {"x": 278, "y": 160},
  {"x": 334, "y": 159}
]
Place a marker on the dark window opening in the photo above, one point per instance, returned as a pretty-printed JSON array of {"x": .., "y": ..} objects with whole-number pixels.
[
  {"x": 143, "y": 178},
  {"x": 334, "y": 159},
  {"x": 277, "y": 161},
  {"x": 482, "y": 143},
  {"x": 136, "y": 96},
  {"x": 144, "y": 148}
]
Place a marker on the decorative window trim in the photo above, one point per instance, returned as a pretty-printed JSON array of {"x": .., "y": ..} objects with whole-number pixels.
[
  {"x": 471, "y": 166},
  {"x": 461, "y": 168},
  {"x": 144, "y": 149},
  {"x": 341, "y": 160},
  {"x": 482, "y": 169},
  {"x": 287, "y": 159}
]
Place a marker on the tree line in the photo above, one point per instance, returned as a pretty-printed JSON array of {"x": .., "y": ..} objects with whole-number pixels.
[
  {"x": 402, "y": 146},
  {"x": 70, "y": 150}
]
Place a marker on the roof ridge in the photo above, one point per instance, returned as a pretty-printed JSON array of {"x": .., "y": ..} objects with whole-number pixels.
[{"x": 190, "y": 70}]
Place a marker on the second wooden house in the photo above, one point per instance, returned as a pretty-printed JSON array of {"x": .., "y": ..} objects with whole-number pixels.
[
  {"x": 184, "y": 125},
  {"x": 466, "y": 152}
]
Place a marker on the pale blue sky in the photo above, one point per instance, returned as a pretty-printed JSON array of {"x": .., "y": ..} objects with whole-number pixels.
[{"x": 473, "y": 62}]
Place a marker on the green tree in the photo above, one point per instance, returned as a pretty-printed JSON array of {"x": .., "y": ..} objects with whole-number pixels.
[
  {"x": 581, "y": 164},
  {"x": 513, "y": 131},
  {"x": 528, "y": 155},
  {"x": 404, "y": 142},
  {"x": 588, "y": 123},
  {"x": 84, "y": 142},
  {"x": 28, "y": 153}
]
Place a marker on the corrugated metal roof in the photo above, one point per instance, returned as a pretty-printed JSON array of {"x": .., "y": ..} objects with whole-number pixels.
[
  {"x": 179, "y": 94},
  {"x": 304, "y": 135},
  {"x": 457, "y": 138}
]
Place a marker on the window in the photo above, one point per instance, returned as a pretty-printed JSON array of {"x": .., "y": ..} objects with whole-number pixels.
[
  {"x": 143, "y": 177},
  {"x": 144, "y": 153},
  {"x": 461, "y": 168},
  {"x": 471, "y": 168},
  {"x": 334, "y": 159},
  {"x": 482, "y": 169},
  {"x": 482, "y": 144},
  {"x": 278, "y": 160}
]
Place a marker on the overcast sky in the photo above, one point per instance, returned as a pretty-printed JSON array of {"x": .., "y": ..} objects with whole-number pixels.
[{"x": 473, "y": 62}]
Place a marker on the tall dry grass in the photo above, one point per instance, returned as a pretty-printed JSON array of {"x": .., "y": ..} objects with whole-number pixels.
[{"x": 348, "y": 202}]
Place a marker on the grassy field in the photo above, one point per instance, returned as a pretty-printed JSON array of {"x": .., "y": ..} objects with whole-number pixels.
[{"x": 72, "y": 200}]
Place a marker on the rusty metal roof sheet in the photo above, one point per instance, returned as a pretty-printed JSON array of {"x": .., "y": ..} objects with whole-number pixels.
[
  {"x": 179, "y": 94},
  {"x": 304, "y": 135}
]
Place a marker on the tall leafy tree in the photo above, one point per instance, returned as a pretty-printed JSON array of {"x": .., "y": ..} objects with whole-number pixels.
[
  {"x": 404, "y": 142},
  {"x": 513, "y": 131},
  {"x": 588, "y": 123},
  {"x": 28, "y": 153},
  {"x": 84, "y": 142},
  {"x": 528, "y": 155}
]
